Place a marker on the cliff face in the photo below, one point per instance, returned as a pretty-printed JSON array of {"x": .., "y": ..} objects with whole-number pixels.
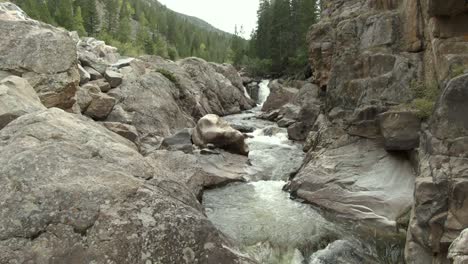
[{"x": 373, "y": 54}]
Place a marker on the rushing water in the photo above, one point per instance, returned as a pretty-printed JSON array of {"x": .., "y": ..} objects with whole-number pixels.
[{"x": 263, "y": 220}]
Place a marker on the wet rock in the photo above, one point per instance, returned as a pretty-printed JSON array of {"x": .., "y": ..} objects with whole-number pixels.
[
  {"x": 181, "y": 140},
  {"x": 113, "y": 78},
  {"x": 285, "y": 122},
  {"x": 127, "y": 131},
  {"x": 212, "y": 129},
  {"x": 400, "y": 130},
  {"x": 17, "y": 98},
  {"x": 100, "y": 107},
  {"x": 95, "y": 195},
  {"x": 306, "y": 119},
  {"x": 40, "y": 53}
]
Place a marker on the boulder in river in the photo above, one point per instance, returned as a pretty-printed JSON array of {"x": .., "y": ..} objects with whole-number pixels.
[
  {"x": 212, "y": 129},
  {"x": 279, "y": 96}
]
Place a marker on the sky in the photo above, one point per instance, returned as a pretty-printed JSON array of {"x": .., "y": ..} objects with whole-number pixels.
[{"x": 223, "y": 14}]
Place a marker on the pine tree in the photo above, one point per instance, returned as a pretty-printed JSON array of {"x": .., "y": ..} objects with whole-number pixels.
[
  {"x": 64, "y": 14},
  {"x": 78, "y": 24}
]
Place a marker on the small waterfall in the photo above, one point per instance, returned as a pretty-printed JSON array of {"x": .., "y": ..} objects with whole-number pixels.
[{"x": 263, "y": 92}]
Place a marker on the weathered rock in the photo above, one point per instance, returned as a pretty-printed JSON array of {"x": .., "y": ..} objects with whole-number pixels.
[
  {"x": 96, "y": 54},
  {"x": 211, "y": 129},
  {"x": 358, "y": 181},
  {"x": 93, "y": 74},
  {"x": 17, "y": 98},
  {"x": 103, "y": 85},
  {"x": 458, "y": 251},
  {"x": 113, "y": 78},
  {"x": 279, "y": 96},
  {"x": 87, "y": 190},
  {"x": 181, "y": 140},
  {"x": 200, "y": 171},
  {"x": 400, "y": 130},
  {"x": 307, "y": 117},
  {"x": 122, "y": 63},
  {"x": 40, "y": 53},
  {"x": 84, "y": 75},
  {"x": 84, "y": 94},
  {"x": 100, "y": 107},
  {"x": 126, "y": 131}
]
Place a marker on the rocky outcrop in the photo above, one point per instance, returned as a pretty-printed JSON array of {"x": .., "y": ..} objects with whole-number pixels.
[
  {"x": 77, "y": 190},
  {"x": 17, "y": 98},
  {"x": 279, "y": 96},
  {"x": 372, "y": 60},
  {"x": 95, "y": 196},
  {"x": 41, "y": 54},
  {"x": 441, "y": 205},
  {"x": 211, "y": 129},
  {"x": 360, "y": 180},
  {"x": 458, "y": 250}
]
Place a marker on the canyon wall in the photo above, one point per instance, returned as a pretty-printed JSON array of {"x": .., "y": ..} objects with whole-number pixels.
[{"x": 375, "y": 59}]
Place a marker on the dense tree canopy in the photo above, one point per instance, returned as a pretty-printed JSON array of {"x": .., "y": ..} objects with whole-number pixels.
[
  {"x": 278, "y": 45},
  {"x": 134, "y": 26}
]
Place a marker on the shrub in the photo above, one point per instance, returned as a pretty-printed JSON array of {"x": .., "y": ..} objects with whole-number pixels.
[
  {"x": 169, "y": 75},
  {"x": 425, "y": 96}
]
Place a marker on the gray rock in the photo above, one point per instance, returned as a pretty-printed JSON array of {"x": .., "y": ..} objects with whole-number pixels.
[
  {"x": 84, "y": 75},
  {"x": 279, "y": 96},
  {"x": 103, "y": 85},
  {"x": 359, "y": 181},
  {"x": 458, "y": 251},
  {"x": 100, "y": 107},
  {"x": 122, "y": 63},
  {"x": 211, "y": 129},
  {"x": 84, "y": 94},
  {"x": 17, "y": 98},
  {"x": 40, "y": 53},
  {"x": 89, "y": 193},
  {"x": 181, "y": 140},
  {"x": 400, "y": 130},
  {"x": 285, "y": 122},
  {"x": 114, "y": 78},
  {"x": 127, "y": 131},
  {"x": 94, "y": 75}
]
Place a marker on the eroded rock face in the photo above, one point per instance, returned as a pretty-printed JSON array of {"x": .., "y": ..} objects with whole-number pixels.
[
  {"x": 94, "y": 198},
  {"x": 441, "y": 204},
  {"x": 459, "y": 249},
  {"x": 360, "y": 180},
  {"x": 40, "y": 53},
  {"x": 211, "y": 129},
  {"x": 279, "y": 96},
  {"x": 17, "y": 98}
]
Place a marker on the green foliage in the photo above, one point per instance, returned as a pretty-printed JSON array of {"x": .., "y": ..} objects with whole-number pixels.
[
  {"x": 78, "y": 24},
  {"x": 169, "y": 75},
  {"x": 457, "y": 70},
  {"x": 257, "y": 67},
  {"x": 280, "y": 37},
  {"x": 425, "y": 96}
]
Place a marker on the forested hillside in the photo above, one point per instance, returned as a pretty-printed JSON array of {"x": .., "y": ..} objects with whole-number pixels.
[
  {"x": 278, "y": 45},
  {"x": 135, "y": 27}
]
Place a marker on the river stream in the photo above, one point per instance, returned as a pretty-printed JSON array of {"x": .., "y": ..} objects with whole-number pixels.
[{"x": 267, "y": 224}]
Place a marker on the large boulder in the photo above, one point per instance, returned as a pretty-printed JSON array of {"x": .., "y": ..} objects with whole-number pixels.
[
  {"x": 400, "y": 130},
  {"x": 74, "y": 191},
  {"x": 211, "y": 129},
  {"x": 17, "y": 98},
  {"x": 40, "y": 53}
]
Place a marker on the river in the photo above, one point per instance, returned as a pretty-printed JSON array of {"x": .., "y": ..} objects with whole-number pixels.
[{"x": 267, "y": 224}]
